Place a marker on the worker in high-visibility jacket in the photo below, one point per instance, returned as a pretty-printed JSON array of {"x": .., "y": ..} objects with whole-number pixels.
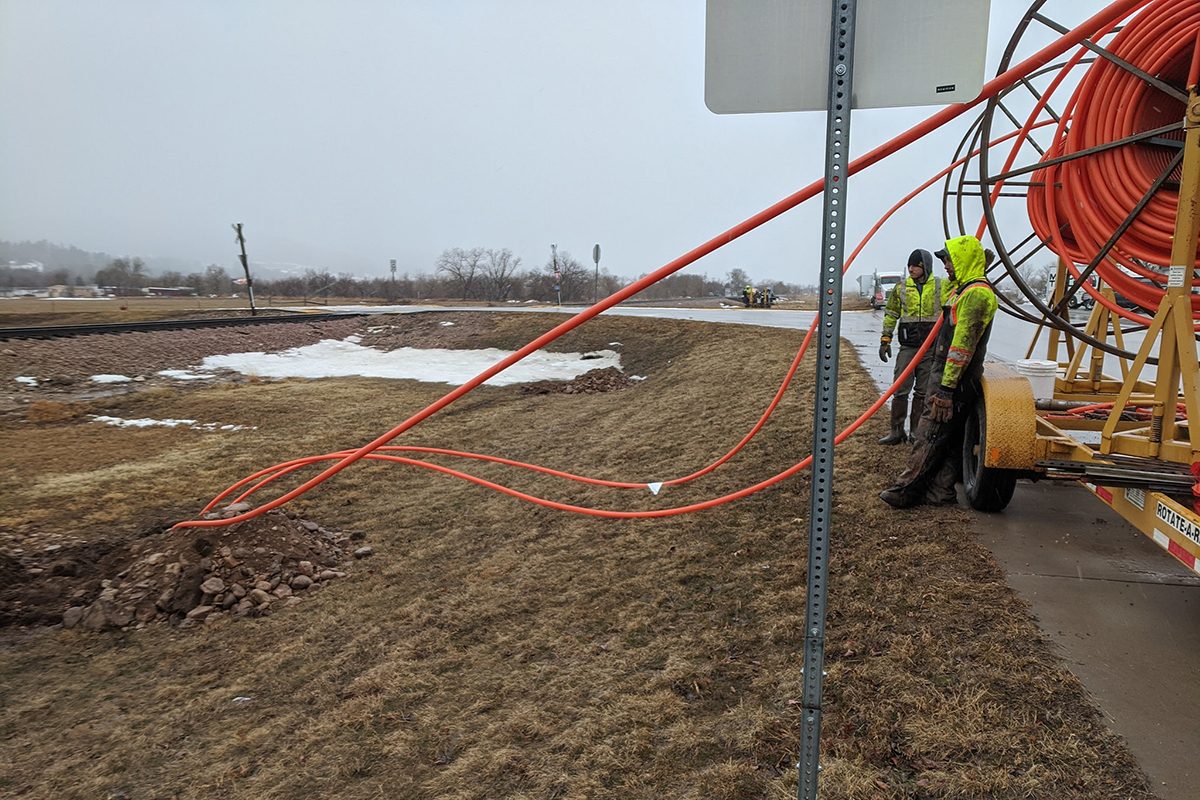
[
  {"x": 911, "y": 310},
  {"x": 955, "y": 385}
]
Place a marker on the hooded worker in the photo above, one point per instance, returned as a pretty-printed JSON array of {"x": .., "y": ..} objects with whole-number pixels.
[
  {"x": 913, "y": 307},
  {"x": 954, "y": 386}
]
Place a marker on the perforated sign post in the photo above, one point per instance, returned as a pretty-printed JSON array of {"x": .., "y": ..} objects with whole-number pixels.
[
  {"x": 829, "y": 326},
  {"x": 760, "y": 57}
]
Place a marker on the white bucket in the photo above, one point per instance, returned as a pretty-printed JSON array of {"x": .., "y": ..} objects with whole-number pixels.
[{"x": 1040, "y": 374}]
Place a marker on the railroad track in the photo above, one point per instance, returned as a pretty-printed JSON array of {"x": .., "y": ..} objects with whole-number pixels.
[{"x": 62, "y": 331}]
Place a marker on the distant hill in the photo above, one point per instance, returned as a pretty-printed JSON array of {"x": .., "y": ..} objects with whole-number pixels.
[{"x": 53, "y": 256}]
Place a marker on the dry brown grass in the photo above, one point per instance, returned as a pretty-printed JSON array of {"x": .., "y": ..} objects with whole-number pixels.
[
  {"x": 40, "y": 412},
  {"x": 493, "y": 649}
]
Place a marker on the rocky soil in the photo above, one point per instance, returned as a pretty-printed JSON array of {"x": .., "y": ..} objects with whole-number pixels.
[{"x": 185, "y": 577}]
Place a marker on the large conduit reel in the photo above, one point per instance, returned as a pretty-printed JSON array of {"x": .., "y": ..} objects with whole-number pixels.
[{"x": 1092, "y": 179}]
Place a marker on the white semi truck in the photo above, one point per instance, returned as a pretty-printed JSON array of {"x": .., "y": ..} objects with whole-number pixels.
[{"x": 876, "y": 285}]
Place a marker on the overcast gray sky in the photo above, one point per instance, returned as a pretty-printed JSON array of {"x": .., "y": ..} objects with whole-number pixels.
[{"x": 343, "y": 134}]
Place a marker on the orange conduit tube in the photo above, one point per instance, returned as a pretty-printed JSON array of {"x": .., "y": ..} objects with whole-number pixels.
[
  {"x": 1088, "y": 198},
  {"x": 1116, "y": 11},
  {"x": 271, "y": 474},
  {"x": 1052, "y": 222},
  {"x": 613, "y": 514}
]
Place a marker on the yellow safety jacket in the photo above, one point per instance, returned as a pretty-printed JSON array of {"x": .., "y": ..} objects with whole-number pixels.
[
  {"x": 915, "y": 309},
  {"x": 971, "y": 311}
]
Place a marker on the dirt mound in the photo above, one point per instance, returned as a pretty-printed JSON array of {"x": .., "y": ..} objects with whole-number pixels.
[
  {"x": 181, "y": 577},
  {"x": 609, "y": 379}
]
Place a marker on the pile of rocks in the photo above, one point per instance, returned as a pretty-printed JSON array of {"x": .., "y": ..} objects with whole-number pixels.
[
  {"x": 190, "y": 577},
  {"x": 596, "y": 381}
]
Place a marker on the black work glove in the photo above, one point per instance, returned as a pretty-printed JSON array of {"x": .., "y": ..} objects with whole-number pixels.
[
  {"x": 885, "y": 350},
  {"x": 941, "y": 405}
]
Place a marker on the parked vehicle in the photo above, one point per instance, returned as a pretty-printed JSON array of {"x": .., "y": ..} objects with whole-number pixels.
[{"x": 875, "y": 286}]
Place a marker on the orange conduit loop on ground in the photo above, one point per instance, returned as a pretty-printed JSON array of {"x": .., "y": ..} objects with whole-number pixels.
[
  {"x": 1100, "y": 21},
  {"x": 271, "y": 474},
  {"x": 609, "y": 513},
  {"x": 1088, "y": 198}
]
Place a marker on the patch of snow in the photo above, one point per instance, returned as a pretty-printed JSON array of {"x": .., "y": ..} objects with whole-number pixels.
[
  {"x": 143, "y": 422},
  {"x": 26, "y": 380},
  {"x": 331, "y": 359},
  {"x": 444, "y": 324},
  {"x": 637, "y": 377},
  {"x": 183, "y": 374},
  {"x": 615, "y": 344},
  {"x": 354, "y": 339},
  {"x": 111, "y": 379},
  {"x": 146, "y": 422}
]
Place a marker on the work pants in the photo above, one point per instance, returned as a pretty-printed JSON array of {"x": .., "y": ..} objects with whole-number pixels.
[
  {"x": 935, "y": 463},
  {"x": 916, "y": 383}
]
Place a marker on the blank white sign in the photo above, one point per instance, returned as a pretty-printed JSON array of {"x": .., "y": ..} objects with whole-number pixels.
[{"x": 773, "y": 55}]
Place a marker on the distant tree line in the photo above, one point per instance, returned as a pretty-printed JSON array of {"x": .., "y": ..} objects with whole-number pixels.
[{"x": 476, "y": 273}]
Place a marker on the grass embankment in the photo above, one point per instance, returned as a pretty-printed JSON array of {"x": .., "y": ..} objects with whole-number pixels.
[{"x": 493, "y": 649}]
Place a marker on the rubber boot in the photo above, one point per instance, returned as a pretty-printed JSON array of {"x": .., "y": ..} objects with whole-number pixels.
[
  {"x": 914, "y": 415},
  {"x": 899, "y": 413},
  {"x": 897, "y": 497},
  {"x": 941, "y": 491}
]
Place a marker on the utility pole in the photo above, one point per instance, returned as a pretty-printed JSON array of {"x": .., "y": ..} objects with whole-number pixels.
[
  {"x": 596, "y": 280},
  {"x": 557, "y": 275},
  {"x": 237, "y": 226},
  {"x": 393, "y": 269}
]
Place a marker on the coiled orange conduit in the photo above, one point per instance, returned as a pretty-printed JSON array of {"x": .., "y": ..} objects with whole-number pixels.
[{"x": 1089, "y": 197}]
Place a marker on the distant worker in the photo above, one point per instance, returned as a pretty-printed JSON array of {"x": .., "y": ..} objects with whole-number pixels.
[
  {"x": 934, "y": 463},
  {"x": 752, "y": 293},
  {"x": 747, "y": 293},
  {"x": 768, "y": 297},
  {"x": 914, "y": 305}
]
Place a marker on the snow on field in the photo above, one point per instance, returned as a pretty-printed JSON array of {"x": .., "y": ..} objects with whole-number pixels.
[
  {"x": 332, "y": 359},
  {"x": 26, "y": 380},
  {"x": 183, "y": 374},
  {"x": 106, "y": 378},
  {"x": 146, "y": 422}
]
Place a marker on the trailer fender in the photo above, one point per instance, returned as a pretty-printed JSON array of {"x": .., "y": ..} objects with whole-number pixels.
[{"x": 1011, "y": 440}]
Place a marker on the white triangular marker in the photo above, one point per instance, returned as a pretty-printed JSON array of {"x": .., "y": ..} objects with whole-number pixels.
[{"x": 654, "y": 487}]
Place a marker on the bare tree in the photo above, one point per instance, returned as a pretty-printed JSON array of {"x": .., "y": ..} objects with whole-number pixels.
[
  {"x": 499, "y": 272},
  {"x": 462, "y": 267},
  {"x": 216, "y": 280},
  {"x": 128, "y": 276}
]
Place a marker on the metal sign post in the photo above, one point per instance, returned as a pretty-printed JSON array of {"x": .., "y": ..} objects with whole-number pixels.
[
  {"x": 596, "y": 280},
  {"x": 829, "y": 324}
]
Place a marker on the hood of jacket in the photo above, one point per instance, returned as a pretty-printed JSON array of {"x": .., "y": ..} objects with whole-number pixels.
[{"x": 967, "y": 254}]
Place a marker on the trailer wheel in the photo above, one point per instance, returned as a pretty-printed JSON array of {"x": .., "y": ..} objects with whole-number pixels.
[{"x": 987, "y": 488}]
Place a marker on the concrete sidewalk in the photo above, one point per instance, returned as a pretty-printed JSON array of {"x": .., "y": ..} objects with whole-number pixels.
[{"x": 1124, "y": 615}]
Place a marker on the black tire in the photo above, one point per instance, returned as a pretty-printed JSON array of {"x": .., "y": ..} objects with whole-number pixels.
[{"x": 987, "y": 488}]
